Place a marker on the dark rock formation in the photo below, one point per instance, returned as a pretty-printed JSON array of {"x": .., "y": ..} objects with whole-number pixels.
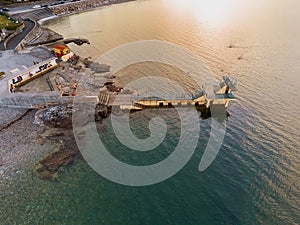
[
  {"x": 101, "y": 112},
  {"x": 95, "y": 66},
  {"x": 56, "y": 160},
  {"x": 77, "y": 41},
  {"x": 58, "y": 116},
  {"x": 50, "y": 165},
  {"x": 113, "y": 88},
  {"x": 87, "y": 62}
]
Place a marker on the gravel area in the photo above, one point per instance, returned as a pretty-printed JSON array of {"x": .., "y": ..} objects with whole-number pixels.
[
  {"x": 19, "y": 147},
  {"x": 9, "y": 115},
  {"x": 22, "y": 145}
]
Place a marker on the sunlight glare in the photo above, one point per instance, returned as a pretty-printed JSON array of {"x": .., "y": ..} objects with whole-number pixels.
[{"x": 211, "y": 12}]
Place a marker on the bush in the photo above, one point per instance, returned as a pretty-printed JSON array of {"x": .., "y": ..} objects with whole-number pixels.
[
  {"x": 8, "y": 23},
  {"x": 12, "y": 27},
  {"x": 2, "y": 75}
]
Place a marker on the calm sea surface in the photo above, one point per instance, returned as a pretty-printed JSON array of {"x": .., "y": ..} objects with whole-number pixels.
[{"x": 255, "y": 178}]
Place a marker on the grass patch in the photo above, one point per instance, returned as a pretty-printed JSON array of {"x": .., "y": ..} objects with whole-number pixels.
[
  {"x": 7, "y": 23},
  {"x": 2, "y": 2}
]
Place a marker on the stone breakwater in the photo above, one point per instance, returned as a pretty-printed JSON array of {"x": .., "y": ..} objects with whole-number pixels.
[{"x": 79, "y": 6}]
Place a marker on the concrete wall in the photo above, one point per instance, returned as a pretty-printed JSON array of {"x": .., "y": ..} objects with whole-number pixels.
[
  {"x": 41, "y": 100},
  {"x": 32, "y": 100}
]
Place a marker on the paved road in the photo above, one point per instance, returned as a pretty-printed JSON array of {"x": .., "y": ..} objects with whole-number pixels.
[{"x": 13, "y": 43}]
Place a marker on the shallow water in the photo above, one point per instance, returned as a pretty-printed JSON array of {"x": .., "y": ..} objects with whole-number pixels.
[{"x": 255, "y": 177}]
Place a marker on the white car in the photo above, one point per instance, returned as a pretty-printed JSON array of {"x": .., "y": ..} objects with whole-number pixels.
[{"x": 36, "y": 7}]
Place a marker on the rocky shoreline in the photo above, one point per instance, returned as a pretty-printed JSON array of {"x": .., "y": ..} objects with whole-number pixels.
[
  {"x": 24, "y": 143},
  {"x": 28, "y": 151},
  {"x": 82, "y": 6},
  {"x": 36, "y": 149},
  {"x": 31, "y": 148},
  {"x": 52, "y": 124}
]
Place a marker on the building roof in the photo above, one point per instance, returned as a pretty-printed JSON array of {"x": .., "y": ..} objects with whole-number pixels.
[{"x": 61, "y": 47}]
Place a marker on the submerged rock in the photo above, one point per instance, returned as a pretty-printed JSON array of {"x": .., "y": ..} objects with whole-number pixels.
[
  {"x": 52, "y": 135},
  {"x": 45, "y": 174},
  {"x": 49, "y": 166},
  {"x": 55, "y": 160}
]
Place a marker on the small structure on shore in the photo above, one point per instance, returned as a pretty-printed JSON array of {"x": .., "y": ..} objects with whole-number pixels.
[
  {"x": 61, "y": 50},
  {"x": 28, "y": 75}
]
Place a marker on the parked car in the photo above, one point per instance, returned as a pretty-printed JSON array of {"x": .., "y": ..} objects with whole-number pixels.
[
  {"x": 36, "y": 7},
  {"x": 4, "y": 9}
]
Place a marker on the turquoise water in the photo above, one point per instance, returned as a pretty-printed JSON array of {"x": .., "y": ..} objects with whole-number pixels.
[{"x": 255, "y": 177}]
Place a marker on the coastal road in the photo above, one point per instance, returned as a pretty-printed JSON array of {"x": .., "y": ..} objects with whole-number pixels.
[{"x": 13, "y": 43}]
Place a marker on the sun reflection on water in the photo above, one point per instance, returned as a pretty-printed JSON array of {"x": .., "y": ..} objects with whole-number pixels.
[{"x": 216, "y": 13}]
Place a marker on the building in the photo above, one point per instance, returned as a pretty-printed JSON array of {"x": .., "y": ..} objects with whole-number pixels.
[{"x": 61, "y": 51}]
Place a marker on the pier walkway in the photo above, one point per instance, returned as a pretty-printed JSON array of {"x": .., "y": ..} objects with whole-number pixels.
[{"x": 123, "y": 101}]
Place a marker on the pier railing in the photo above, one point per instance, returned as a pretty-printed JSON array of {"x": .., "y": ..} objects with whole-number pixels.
[{"x": 155, "y": 96}]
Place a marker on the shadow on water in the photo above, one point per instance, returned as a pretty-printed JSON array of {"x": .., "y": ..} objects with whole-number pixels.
[{"x": 218, "y": 112}]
